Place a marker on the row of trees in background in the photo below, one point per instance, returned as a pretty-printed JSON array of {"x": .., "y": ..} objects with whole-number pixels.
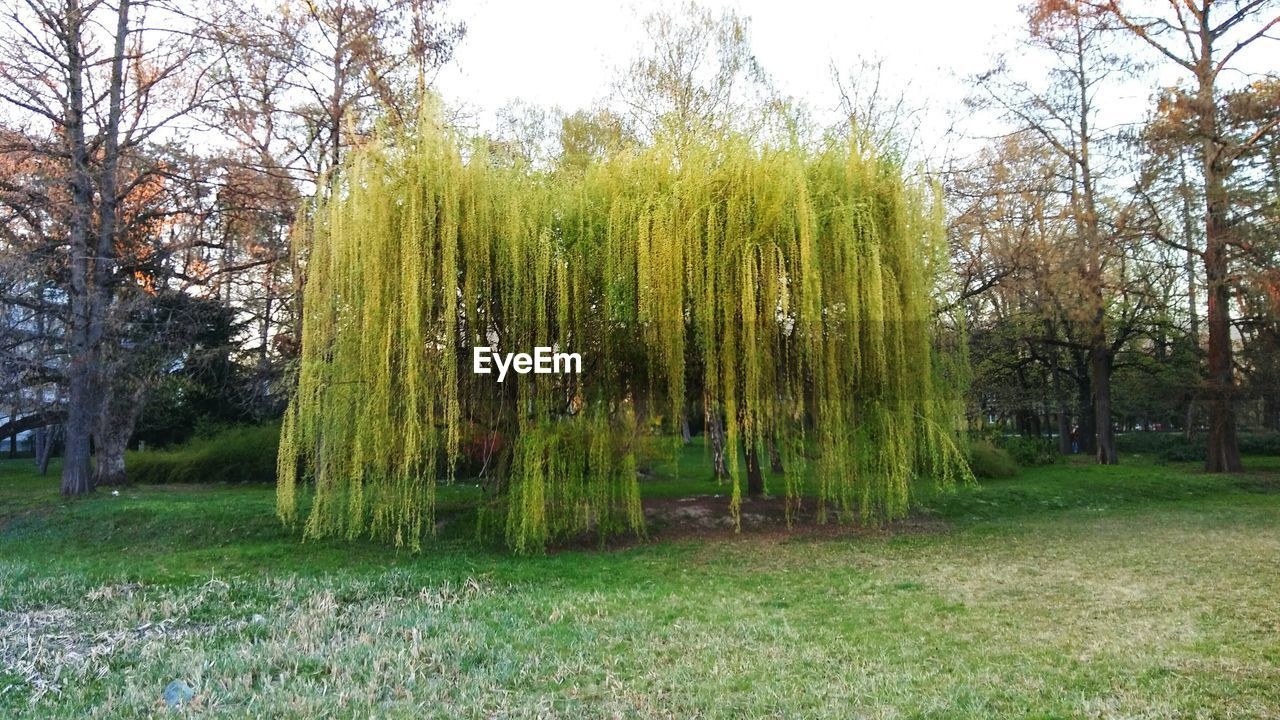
[
  {"x": 1115, "y": 257},
  {"x": 157, "y": 158},
  {"x": 1120, "y": 272}
]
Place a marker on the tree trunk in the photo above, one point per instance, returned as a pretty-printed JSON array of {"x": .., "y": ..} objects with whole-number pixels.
[
  {"x": 75, "y": 455},
  {"x": 715, "y": 431},
  {"x": 79, "y": 423},
  {"x": 37, "y": 443},
  {"x": 755, "y": 478},
  {"x": 108, "y": 461},
  {"x": 1105, "y": 445},
  {"x": 1223, "y": 452},
  {"x": 44, "y": 449},
  {"x": 122, "y": 400},
  {"x": 1189, "y": 421},
  {"x": 775, "y": 457}
]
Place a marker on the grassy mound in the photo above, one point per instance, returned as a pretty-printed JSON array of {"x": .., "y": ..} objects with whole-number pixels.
[
  {"x": 990, "y": 462},
  {"x": 244, "y": 453}
]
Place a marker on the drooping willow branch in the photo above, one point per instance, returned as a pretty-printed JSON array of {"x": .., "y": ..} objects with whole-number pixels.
[{"x": 786, "y": 292}]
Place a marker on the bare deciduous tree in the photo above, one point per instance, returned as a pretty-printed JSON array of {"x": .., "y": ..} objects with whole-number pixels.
[{"x": 89, "y": 86}]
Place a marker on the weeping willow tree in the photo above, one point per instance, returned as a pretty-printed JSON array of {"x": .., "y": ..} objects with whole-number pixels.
[{"x": 784, "y": 291}]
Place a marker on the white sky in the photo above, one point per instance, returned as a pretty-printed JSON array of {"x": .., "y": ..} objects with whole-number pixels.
[{"x": 566, "y": 52}]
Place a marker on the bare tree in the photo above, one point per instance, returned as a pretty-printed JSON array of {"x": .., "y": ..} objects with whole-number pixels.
[
  {"x": 696, "y": 76},
  {"x": 880, "y": 115},
  {"x": 307, "y": 83},
  {"x": 303, "y": 85},
  {"x": 1063, "y": 113},
  {"x": 88, "y": 86}
]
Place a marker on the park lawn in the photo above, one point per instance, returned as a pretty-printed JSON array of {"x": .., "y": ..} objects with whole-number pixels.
[{"x": 1141, "y": 590}]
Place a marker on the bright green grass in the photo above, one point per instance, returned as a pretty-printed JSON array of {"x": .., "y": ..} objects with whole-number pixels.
[{"x": 1071, "y": 591}]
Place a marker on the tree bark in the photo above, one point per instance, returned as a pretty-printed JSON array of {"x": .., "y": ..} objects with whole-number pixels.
[
  {"x": 116, "y": 421},
  {"x": 92, "y": 269},
  {"x": 108, "y": 461},
  {"x": 79, "y": 423},
  {"x": 715, "y": 431},
  {"x": 1223, "y": 451},
  {"x": 44, "y": 449},
  {"x": 75, "y": 455}
]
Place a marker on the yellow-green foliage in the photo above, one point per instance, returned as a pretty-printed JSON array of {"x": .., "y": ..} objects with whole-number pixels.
[{"x": 787, "y": 290}]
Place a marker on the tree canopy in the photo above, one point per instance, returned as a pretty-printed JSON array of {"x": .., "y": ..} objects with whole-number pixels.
[{"x": 785, "y": 291}]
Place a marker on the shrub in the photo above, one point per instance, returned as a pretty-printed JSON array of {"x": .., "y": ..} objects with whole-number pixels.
[
  {"x": 242, "y": 453},
  {"x": 1173, "y": 446},
  {"x": 990, "y": 462},
  {"x": 1265, "y": 443},
  {"x": 1028, "y": 451}
]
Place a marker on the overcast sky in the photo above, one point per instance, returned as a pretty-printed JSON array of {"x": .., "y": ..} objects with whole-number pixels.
[{"x": 565, "y": 52}]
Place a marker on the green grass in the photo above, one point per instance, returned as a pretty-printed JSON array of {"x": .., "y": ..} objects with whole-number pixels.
[{"x": 1141, "y": 590}]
